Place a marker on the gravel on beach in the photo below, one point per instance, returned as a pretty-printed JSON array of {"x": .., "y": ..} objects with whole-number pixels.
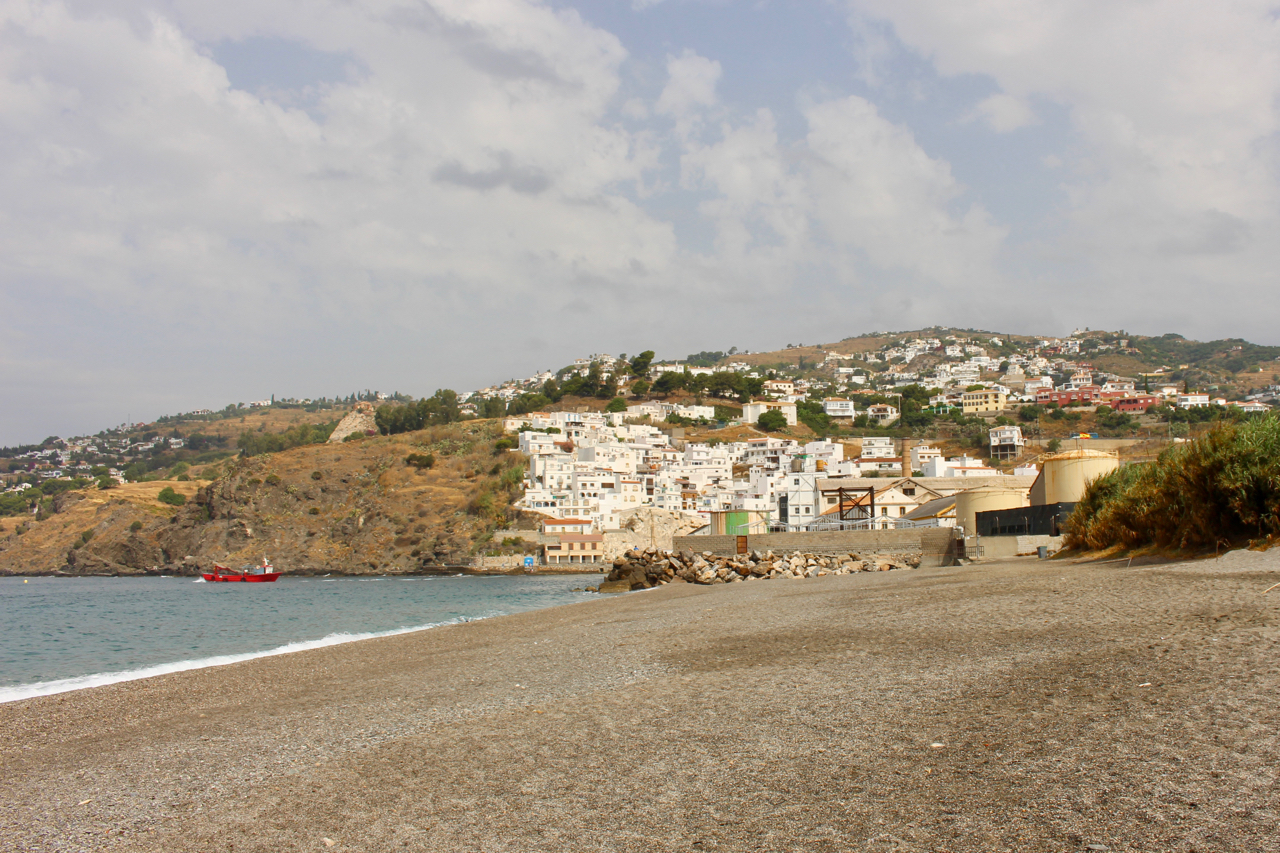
[{"x": 1017, "y": 706}]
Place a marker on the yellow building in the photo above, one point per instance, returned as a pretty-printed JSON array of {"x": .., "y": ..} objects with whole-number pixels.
[{"x": 972, "y": 402}]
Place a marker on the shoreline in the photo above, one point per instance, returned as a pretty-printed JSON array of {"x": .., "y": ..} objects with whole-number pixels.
[
  {"x": 60, "y": 686},
  {"x": 447, "y": 571},
  {"x": 1013, "y": 705},
  {"x": 57, "y": 686}
]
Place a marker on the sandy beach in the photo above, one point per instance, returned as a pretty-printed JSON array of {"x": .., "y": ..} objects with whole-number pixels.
[{"x": 1013, "y": 706}]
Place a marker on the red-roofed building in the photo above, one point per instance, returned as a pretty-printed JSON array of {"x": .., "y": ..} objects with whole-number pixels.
[
  {"x": 1135, "y": 405},
  {"x": 1088, "y": 395}
]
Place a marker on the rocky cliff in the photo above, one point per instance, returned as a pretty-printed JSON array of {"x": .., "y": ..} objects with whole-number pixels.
[{"x": 360, "y": 421}]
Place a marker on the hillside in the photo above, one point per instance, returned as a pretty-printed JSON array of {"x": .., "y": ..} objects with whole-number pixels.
[
  {"x": 1229, "y": 366},
  {"x": 354, "y": 507}
]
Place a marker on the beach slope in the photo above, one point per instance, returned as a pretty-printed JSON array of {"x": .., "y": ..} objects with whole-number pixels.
[{"x": 1013, "y": 706}]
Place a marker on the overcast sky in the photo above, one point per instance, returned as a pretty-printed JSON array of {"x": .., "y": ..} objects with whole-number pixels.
[{"x": 211, "y": 202}]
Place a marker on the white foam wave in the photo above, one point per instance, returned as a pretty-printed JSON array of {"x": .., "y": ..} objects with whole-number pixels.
[{"x": 65, "y": 685}]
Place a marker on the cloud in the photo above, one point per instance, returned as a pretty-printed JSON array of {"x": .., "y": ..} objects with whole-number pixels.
[
  {"x": 522, "y": 180},
  {"x": 856, "y": 198},
  {"x": 1173, "y": 110},
  {"x": 1004, "y": 113},
  {"x": 429, "y": 183},
  {"x": 439, "y": 182},
  {"x": 691, "y": 85}
]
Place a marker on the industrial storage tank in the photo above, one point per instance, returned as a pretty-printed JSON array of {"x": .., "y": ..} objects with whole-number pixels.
[
  {"x": 1064, "y": 476},
  {"x": 983, "y": 499}
]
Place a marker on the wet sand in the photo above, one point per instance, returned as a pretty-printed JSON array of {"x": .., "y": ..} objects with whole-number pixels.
[{"x": 1012, "y": 706}]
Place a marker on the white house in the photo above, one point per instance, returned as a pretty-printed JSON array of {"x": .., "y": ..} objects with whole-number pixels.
[
  {"x": 878, "y": 447},
  {"x": 839, "y": 407},
  {"x": 1193, "y": 401},
  {"x": 752, "y": 411},
  {"x": 960, "y": 466},
  {"x": 882, "y": 413},
  {"x": 922, "y": 453},
  {"x": 1006, "y": 442}
]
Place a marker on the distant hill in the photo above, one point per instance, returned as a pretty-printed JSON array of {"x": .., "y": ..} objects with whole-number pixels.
[
  {"x": 355, "y": 507},
  {"x": 1231, "y": 364}
]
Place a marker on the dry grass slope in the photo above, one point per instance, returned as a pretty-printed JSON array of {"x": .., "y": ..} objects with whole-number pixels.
[{"x": 356, "y": 507}]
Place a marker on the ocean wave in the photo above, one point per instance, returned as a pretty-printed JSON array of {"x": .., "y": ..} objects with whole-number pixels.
[{"x": 64, "y": 685}]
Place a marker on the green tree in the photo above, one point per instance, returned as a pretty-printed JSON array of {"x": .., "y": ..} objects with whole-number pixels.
[
  {"x": 640, "y": 364},
  {"x": 169, "y": 496},
  {"x": 812, "y": 415},
  {"x": 640, "y": 387},
  {"x": 617, "y": 404},
  {"x": 669, "y": 382},
  {"x": 772, "y": 421},
  {"x": 493, "y": 407},
  {"x": 526, "y": 403}
]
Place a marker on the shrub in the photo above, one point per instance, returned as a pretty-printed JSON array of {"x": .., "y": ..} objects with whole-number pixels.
[
  {"x": 316, "y": 475},
  {"x": 1221, "y": 489},
  {"x": 482, "y": 504},
  {"x": 421, "y": 461},
  {"x": 1054, "y": 445},
  {"x": 273, "y": 480},
  {"x": 315, "y": 510},
  {"x": 136, "y": 526},
  {"x": 169, "y": 496},
  {"x": 182, "y": 478},
  {"x": 617, "y": 404},
  {"x": 512, "y": 477},
  {"x": 772, "y": 421},
  {"x": 254, "y": 481},
  {"x": 503, "y": 444}
]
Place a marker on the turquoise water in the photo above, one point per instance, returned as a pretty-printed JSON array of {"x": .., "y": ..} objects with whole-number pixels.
[{"x": 59, "y": 634}]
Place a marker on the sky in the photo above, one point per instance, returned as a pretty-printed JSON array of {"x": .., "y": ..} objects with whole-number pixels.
[{"x": 206, "y": 203}]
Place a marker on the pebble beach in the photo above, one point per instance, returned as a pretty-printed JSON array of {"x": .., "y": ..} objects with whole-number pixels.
[{"x": 1018, "y": 705}]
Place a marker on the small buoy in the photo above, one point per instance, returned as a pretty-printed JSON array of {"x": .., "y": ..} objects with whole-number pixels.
[{"x": 24, "y": 580}]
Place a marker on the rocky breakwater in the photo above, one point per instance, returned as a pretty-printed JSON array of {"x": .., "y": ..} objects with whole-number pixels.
[{"x": 646, "y": 569}]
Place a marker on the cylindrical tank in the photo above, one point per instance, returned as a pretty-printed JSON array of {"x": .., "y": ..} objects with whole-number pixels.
[
  {"x": 1064, "y": 476},
  {"x": 982, "y": 499}
]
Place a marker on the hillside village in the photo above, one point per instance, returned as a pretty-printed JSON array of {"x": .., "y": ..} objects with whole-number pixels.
[
  {"x": 588, "y": 470},
  {"x": 877, "y": 432}
]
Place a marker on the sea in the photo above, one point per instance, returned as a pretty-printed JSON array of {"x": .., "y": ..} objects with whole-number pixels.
[{"x": 61, "y": 634}]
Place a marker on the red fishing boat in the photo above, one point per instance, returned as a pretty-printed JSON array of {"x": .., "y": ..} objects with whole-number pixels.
[{"x": 265, "y": 573}]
